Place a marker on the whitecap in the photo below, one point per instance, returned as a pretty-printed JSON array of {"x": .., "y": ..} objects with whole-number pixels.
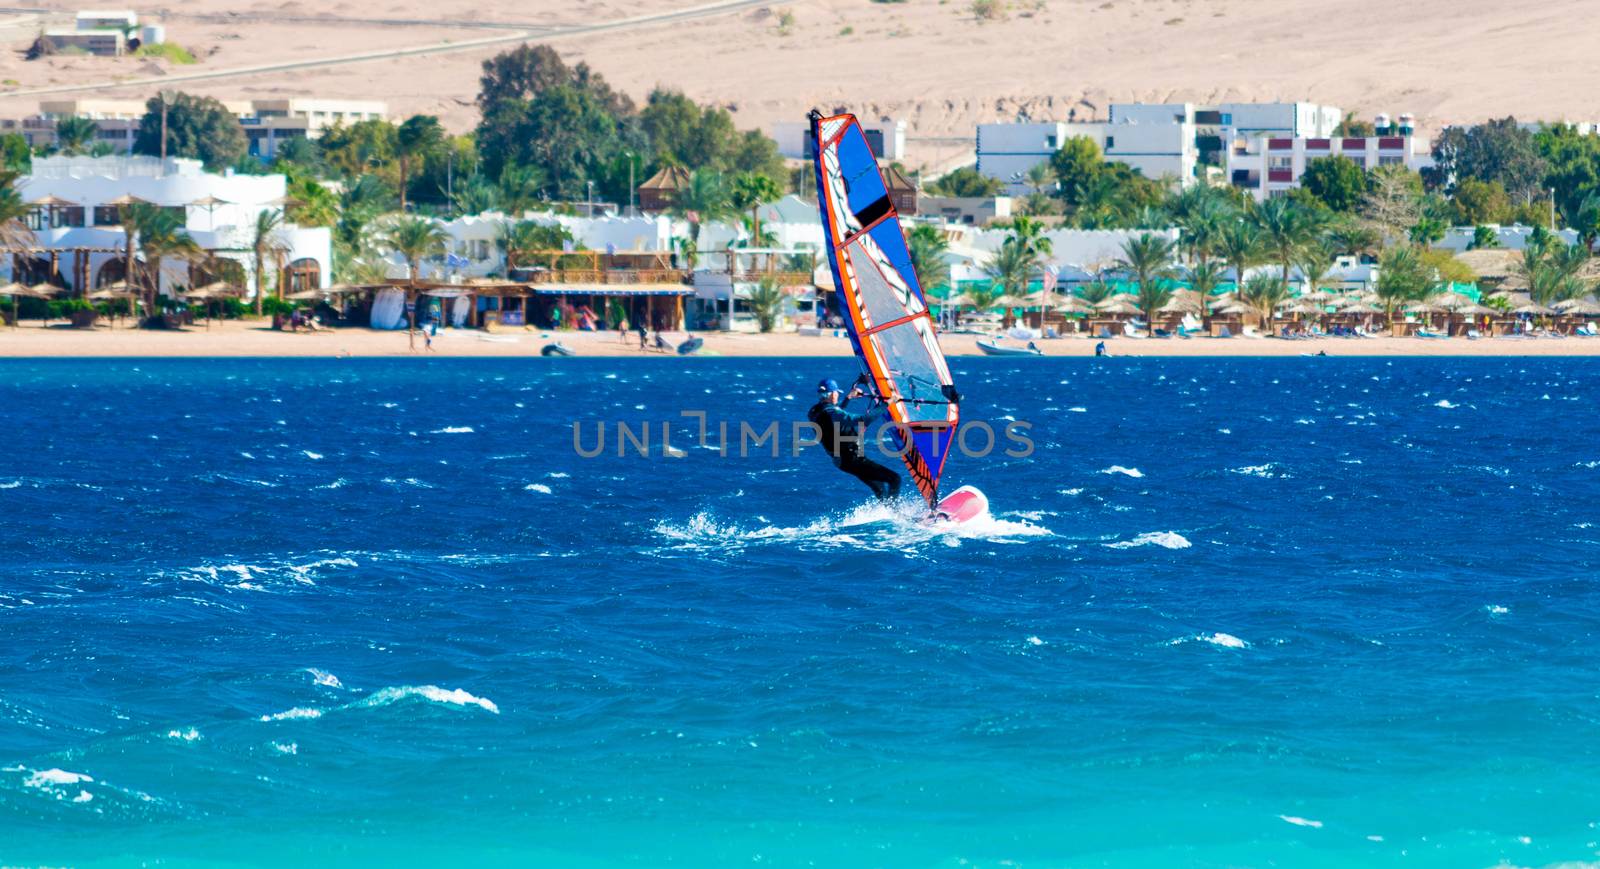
[
  {"x": 336, "y": 484},
  {"x": 1164, "y": 539},
  {"x": 1496, "y": 610},
  {"x": 311, "y": 455},
  {"x": 1077, "y": 410},
  {"x": 558, "y": 475},
  {"x": 324, "y": 678},
  {"x": 1118, "y": 469},
  {"x": 1035, "y": 641},
  {"x": 454, "y": 697},
  {"x": 11, "y": 485},
  {"x": 1301, "y": 822},
  {"x": 83, "y": 797},
  {"x": 1069, "y": 491},
  {"x": 297, "y": 713},
  {"x": 453, "y": 429},
  {"x": 536, "y": 487},
  {"x": 44, "y": 778},
  {"x": 1445, "y": 403},
  {"x": 189, "y": 735},
  {"x": 1265, "y": 471},
  {"x": 286, "y": 747}
]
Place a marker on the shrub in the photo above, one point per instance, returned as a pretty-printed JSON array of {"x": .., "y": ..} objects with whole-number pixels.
[
  {"x": 171, "y": 51},
  {"x": 988, "y": 10}
]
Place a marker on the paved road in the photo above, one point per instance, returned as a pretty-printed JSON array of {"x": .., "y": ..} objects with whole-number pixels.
[{"x": 722, "y": 7}]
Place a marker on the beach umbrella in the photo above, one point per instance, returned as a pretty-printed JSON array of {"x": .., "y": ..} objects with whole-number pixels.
[
  {"x": 1180, "y": 306},
  {"x": 1361, "y": 308},
  {"x": 15, "y": 291},
  {"x": 1072, "y": 305},
  {"x": 52, "y": 201},
  {"x": 1533, "y": 308},
  {"x": 1232, "y": 307},
  {"x": 1010, "y": 301},
  {"x": 1117, "y": 306},
  {"x": 1450, "y": 301},
  {"x": 1425, "y": 308},
  {"x": 1304, "y": 309},
  {"x": 1587, "y": 307},
  {"x": 959, "y": 300}
]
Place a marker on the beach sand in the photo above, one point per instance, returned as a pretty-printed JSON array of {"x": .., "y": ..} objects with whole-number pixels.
[{"x": 254, "y": 338}]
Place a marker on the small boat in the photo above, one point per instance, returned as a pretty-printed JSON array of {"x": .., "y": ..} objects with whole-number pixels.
[
  {"x": 991, "y": 347},
  {"x": 556, "y": 349},
  {"x": 690, "y": 346}
]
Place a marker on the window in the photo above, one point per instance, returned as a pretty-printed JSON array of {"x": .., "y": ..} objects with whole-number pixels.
[
  {"x": 107, "y": 215},
  {"x": 1389, "y": 159},
  {"x": 1111, "y": 142},
  {"x": 1280, "y": 162},
  {"x": 1050, "y": 142}
]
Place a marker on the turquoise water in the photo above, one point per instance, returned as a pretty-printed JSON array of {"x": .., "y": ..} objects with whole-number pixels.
[{"x": 1292, "y": 612}]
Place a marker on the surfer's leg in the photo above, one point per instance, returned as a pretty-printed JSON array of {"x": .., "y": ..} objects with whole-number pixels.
[{"x": 885, "y": 484}]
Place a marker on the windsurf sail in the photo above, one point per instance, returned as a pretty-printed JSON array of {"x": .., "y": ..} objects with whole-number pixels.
[{"x": 884, "y": 309}]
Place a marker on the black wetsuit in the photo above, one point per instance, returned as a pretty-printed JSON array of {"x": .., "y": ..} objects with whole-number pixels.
[{"x": 834, "y": 420}]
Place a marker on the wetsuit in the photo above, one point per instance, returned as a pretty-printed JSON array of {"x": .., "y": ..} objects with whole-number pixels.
[{"x": 834, "y": 420}]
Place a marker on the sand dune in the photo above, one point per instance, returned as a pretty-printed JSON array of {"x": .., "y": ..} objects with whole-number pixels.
[{"x": 929, "y": 61}]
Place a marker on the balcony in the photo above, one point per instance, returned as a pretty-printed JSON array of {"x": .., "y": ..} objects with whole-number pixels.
[
  {"x": 1391, "y": 143},
  {"x": 1318, "y": 144},
  {"x": 1280, "y": 176},
  {"x": 1355, "y": 144},
  {"x": 1280, "y": 144}
]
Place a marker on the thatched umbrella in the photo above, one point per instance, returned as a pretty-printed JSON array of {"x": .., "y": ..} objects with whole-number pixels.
[
  {"x": 1360, "y": 308},
  {"x": 15, "y": 291},
  {"x": 1117, "y": 306},
  {"x": 1586, "y": 307},
  {"x": 1233, "y": 307},
  {"x": 1176, "y": 305},
  {"x": 1533, "y": 308},
  {"x": 211, "y": 292}
]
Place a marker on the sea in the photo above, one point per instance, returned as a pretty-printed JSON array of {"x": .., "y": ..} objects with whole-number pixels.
[{"x": 1295, "y": 612}]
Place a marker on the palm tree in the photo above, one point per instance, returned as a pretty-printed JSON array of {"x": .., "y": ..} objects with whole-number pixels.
[
  {"x": 1313, "y": 260},
  {"x": 705, "y": 199},
  {"x": 1148, "y": 259},
  {"x": 516, "y": 239},
  {"x": 415, "y": 239},
  {"x": 76, "y": 134},
  {"x": 1352, "y": 237},
  {"x": 766, "y": 302},
  {"x": 1200, "y": 213},
  {"x": 1264, "y": 293},
  {"x": 1402, "y": 277},
  {"x": 1285, "y": 226},
  {"x": 14, "y": 232},
  {"x": 266, "y": 241},
  {"x": 1012, "y": 267},
  {"x": 1239, "y": 245},
  {"x": 1204, "y": 278},
  {"x": 1097, "y": 291},
  {"x": 417, "y": 137},
  {"x": 1102, "y": 204},
  {"x": 1484, "y": 237},
  {"x": 749, "y": 192},
  {"x": 157, "y": 233},
  {"x": 928, "y": 247}
]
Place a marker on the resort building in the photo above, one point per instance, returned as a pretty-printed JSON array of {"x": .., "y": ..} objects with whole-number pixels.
[
  {"x": 77, "y": 212},
  {"x": 1183, "y": 142},
  {"x": 267, "y": 123},
  {"x": 886, "y": 137},
  {"x": 967, "y": 210},
  {"x": 1272, "y": 166}
]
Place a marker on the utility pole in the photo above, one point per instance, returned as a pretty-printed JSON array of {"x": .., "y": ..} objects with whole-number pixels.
[
  {"x": 632, "y": 211},
  {"x": 449, "y": 179}
]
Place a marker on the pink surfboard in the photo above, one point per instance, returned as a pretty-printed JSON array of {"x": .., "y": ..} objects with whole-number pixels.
[{"x": 962, "y": 505}]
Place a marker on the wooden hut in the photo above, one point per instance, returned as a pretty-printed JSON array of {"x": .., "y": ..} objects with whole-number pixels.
[{"x": 660, "y": 191}]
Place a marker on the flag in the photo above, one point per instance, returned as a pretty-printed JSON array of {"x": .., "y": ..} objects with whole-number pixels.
[
  {"x": 1049, "y": 281},
  {"x": 611, "y": 249}
]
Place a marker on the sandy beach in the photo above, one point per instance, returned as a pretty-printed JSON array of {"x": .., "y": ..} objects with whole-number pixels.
[{"x": 255, "y": 338}]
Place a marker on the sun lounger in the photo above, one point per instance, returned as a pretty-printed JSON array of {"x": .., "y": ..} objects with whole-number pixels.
[
  {"x": 1105, "y": 332},
  {"x": 1473, "y": 334},
  {"x": 1250, "y": 332},
  {"x": 1128, "y": 331},
  {"x": 1428, "y": 333},
  {"x": 1224, "y": 332}
]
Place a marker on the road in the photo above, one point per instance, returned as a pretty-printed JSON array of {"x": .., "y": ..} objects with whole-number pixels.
[{"x": 542, "y": 34}]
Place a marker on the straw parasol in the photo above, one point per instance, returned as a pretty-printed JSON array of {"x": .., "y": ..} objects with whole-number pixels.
[
  {"x": 15, "y": 291},
  {"x": 1072, "y": 305},
  {"x": 1304, "y": 309},
  {"x": 107, "y": 293},
  {"x": 1180, "y": 306},
  {"x": 1117, "y": 306},
  {"x": 214, "y": 290},
  {"x": 1534, "y": 308},
  {"x": 1010, "y": 301},
  {"x": 1587, "y": 307},
  {"x": 1451, "y": 301},
  {"x": 1232, "y": 307},
  {"x": 52, "y": 201},
  {"x": 959, "y": 300},
  {"x": 128, "y": 199},
  {"x": 1360, "y": 308}
]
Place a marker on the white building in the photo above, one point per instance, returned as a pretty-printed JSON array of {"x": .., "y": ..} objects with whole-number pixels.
[
  {"x": 1272, "y": 166},
  {"x": 80, "y": 201},
  {"x": 886, "y": 138},
  {"x": 267, "y": 123},
  {"x": 1161, "y": 140}
]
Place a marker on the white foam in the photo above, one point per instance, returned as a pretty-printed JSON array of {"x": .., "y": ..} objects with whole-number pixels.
[
  {"x": 1226, "y": 641},
  {"x": 336, "y": 484},
  {"x": 1077, "y": 410},
  {"x": 1301, "y": 822},
  {"x": 1118, "y": 469},
  {"x": 189, "y": 735},
  {"x": 1496, "y": 610},
  {"x": 1035, "y": 641},
  {"x": 454, "y": 697},
  {"x": 295, "y": 714},
  {"x": 83, "y": 797},
  {"x": 1069, "y": 491},
  {"x": 558, "y": 475},
  {"x": 536, "y": 487},
  {"x": 453, "y": 429},
  {"x": 324, "y": 678},
  {"x": 44, "y": 778},
  {"x": 11, "y": 485},
  {"x": 1164, "y": 539},
  {"x": 1445, "y": 403},
  {"x": 286, "y": 747},
  {"x": 311, "y": 455},
  {"x": 1264, "y": 471}
]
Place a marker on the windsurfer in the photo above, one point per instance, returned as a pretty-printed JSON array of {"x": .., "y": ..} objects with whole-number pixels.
[{"x": 841, "y": 432}]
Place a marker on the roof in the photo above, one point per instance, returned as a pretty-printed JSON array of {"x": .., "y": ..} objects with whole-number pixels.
[
  {"x": 1491, "y": 263},
  {"x": 669, "y": 178},
  {"x": 896, "y": 180}
]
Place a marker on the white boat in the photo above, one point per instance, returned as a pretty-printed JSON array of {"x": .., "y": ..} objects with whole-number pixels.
[{"x": 992, "y": 347}]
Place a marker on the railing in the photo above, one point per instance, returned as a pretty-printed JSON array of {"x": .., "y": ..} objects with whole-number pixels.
[
  {"x": 784, "y": 279},
  {"x": 609, "y": 276}
]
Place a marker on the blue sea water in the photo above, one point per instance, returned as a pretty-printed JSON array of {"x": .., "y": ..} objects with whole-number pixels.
[{"x": 1243, "y": 612}]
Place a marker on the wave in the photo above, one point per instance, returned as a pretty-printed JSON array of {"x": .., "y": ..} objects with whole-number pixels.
[
  {"x": 1266, "y": 471},
  {"x": 537, "y": 487},
  {"x": 453, "y": 429},
  {"x": 1118, "y": 469},
  {"x": 1226, "y": 641},
  {"x": 1300, "y": 822},
  {"x": 299, "y": 713},
  {"x": 324, "y": 678},
  {"x": 877, "y": 526},
  {"x": 433, "y": 693},
  {"x": 190, "y": 735},
  {"x": 1164, "y": 539},
  {"x": 311, "y": 455}
]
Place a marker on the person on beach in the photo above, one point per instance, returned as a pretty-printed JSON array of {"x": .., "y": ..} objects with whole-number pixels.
[
  {"x": 1100, "y": 349},
  {"x": 643, "y": 345},
  {"x": 841, "y": 432}
]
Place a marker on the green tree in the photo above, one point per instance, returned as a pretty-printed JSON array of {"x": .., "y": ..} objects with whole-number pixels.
[
  {"x": 1402, "y": 277},
  {"x": 1498, "y": 150},
  {"x": 363, "y": 148},
  {"x": 1205, "y": 277},
  {"x": 416, "y": 138},
  {"x": 1484, "y": 237},
  {"x": 158, "y": 234},
  {"x": 75, "y": 134},
  {"x": 201, "y": 128},
  {"x": 15, "y": 236},
  {"x": 415, "y": 239},
  {"x": 564, "y": 131},
  {"x": 1284, "y": 227},
  {"x": 705, "y": 200},
  {"x": 1264, "y": 293},
  {"x": 1354, "y": 128},
  {"x": 15, "y": 155},
  {"x": 1574, "y": 166},
  {"x": 966, "y": 182},
  {"x": 1239, "y": 245},
  {"x": 1427, "y": 231},
  {"x": 1011, "y": 267},
  {"x": 1336, "y": 182},
  {"x": 1148, "y": 260},
  {"x": 530, "y": 70},
  {"x": 1350, "y": 236},
  {"x": 928, "y": 247},
  {"x": 1393, "y": 203},
  {"x": 1075, "y": 165},
  {"x": 750, "y": 191},
  {"x": 766, "y": 302},
  {"x": 1478, "y": 202},
  {"x": 266, "y": 241}
]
